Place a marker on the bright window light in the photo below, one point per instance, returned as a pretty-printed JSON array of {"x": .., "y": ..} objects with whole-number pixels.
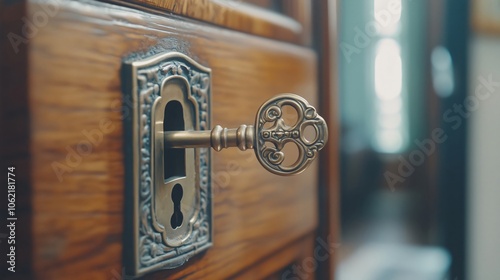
[
  {"x": 389, "y": 140},
  {"x": 388, "y": 69},
  {"x": 387, "y": 14},
  {"x": 390, "y": 121},
  {"x": 390, "y": 130},
  {"x": 390, "y": 107},
  {"x": 388, "y": 74}
]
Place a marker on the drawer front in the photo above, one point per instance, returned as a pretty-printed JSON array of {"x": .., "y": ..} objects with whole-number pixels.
[{"x": 260, "y": 220}]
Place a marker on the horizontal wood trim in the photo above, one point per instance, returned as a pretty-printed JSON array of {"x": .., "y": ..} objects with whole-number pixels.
[
  {"x": 234, "y": 15},
  {"x": 301, "y": 11}
]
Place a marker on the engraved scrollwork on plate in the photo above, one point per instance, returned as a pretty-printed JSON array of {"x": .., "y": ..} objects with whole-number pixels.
[
  {"x": 273, "y": 134},
  {"x": 151, "y": 252}
]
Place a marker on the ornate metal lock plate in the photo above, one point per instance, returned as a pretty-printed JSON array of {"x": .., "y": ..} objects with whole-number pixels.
[
  {"x": 168, "y": 191},
  {"x": 168, "y": 136}
]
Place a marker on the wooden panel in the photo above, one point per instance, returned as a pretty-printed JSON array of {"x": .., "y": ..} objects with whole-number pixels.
[
  {"x": 301, "y": 11},
  {"x": 326, "y": 38},
  {"x": 235, "y": 15},
  {"x": 292, "y": 255},
  {"x": 75, "y": 90}
]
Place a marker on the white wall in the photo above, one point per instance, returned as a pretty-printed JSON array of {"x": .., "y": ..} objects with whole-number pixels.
[{"x": 484, "y": 164}]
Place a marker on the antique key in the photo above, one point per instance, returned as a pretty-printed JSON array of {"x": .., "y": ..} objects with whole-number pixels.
[{"x": 267, "y": 137}]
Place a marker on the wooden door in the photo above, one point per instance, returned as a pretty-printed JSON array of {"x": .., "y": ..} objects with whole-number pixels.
[{"x": 64, "y": 106}]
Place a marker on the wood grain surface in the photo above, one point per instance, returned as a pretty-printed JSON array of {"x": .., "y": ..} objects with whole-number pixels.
[
  {"x": 236, "y": 15},
  {"x": 77, "y": 191}
]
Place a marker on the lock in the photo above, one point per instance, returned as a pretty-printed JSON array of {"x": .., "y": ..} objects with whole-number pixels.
[
  {"x": 168, "y": 189},
  {"x": 169, "y": 193},
  {"x": 176, "y": 195}
]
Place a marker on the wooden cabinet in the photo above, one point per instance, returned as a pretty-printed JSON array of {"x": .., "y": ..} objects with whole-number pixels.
[{"x": 64, "y": 107}]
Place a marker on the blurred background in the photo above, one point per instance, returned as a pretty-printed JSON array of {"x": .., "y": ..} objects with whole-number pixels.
[{"x": 420, "y": 115}]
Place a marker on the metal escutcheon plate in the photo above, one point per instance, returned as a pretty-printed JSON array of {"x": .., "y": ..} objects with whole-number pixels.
[{"x": 168, "y": 215}]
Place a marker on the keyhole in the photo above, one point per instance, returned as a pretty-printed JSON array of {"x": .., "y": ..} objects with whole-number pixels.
[
  {"x": 174, "y": 160},
  {"x": 177, "y": 217}
]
